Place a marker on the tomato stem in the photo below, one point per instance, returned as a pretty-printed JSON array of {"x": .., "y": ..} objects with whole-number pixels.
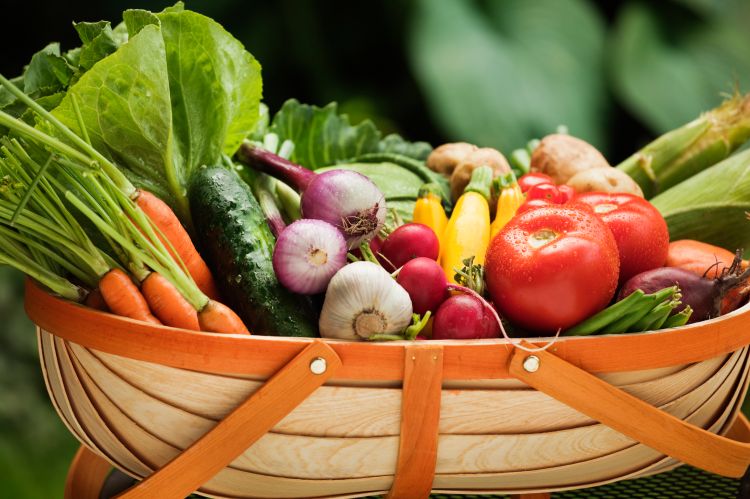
[{"x": 542, "y": 237}]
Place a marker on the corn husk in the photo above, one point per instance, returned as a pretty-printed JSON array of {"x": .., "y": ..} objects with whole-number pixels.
[
  {"x": 688, "y": 150},
  {"x": 711, "y": 206}
]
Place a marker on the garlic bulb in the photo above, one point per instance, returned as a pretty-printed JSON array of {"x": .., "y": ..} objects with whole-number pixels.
[{"x": 363, "y": 299}]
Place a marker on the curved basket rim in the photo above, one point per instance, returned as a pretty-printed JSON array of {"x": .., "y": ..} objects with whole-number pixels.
[{"x": 463, "y": 359}]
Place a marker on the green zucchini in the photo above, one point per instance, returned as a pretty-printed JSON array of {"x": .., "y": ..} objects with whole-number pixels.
[{"x": 238, "y": 246}]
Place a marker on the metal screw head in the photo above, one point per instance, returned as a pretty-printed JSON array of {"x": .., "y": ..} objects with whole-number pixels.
[
  {"x": 318, "y": 365},
  {"x": 531, "y": 364}
]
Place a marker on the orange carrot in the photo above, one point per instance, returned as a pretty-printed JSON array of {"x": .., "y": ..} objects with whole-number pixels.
[
  {"x": 123, "y": 297},
  {"x": 96, "y": 301},
  {"x": 699, "y": 257},
  {"x": 168, "y": 304},
  {"x": 164, "y": 218},
  {"x": 218, "y": 318}
]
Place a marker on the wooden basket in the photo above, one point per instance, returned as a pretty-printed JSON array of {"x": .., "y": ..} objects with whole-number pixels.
[{"x": 240, "y": 417}]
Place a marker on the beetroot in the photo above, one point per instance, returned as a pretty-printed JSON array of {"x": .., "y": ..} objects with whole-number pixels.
[
  {"x": 409, "y": 241},
  {"x": 464, "y": 317},
  {"x": 703, "y": 295},
  {"x": 425, "y": 282}
]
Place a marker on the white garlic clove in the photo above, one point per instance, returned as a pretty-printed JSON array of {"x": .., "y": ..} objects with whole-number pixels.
[{"x": 363, "y": 299}]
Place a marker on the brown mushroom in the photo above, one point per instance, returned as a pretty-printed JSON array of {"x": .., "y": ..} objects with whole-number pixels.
[
  {"x": 483, "y": 156},
  {"x": 561, "y": 156},
  {"x": 443, "y": 159},
  {"x": 604, "y": 180}
]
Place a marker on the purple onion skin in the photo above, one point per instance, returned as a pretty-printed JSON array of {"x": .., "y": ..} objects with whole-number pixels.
[
  {"x": 698, "y": 292},
  {"x": 298, "y": 246},
  {"x": 349, "y": 201}
]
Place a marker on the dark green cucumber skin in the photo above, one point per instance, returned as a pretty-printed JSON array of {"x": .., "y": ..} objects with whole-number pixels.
[{"x": 238, "y": 247}]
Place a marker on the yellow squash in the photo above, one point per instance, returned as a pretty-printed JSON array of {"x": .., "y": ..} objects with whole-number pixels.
[
  {"x": 509, "y": 199},
  {"x": 468, "y": 232},
  {"x": 428, "y": 210}
]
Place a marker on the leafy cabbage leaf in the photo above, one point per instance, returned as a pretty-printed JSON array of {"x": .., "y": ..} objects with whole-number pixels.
[
  {"x": 323, "y": 137},
  {"x": 180, "y": 93}
]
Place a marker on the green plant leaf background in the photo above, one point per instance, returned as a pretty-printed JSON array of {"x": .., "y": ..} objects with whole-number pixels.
[{"x": 516, "y": 71}]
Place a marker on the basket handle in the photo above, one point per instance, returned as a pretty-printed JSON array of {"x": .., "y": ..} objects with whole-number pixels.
[
  {"x": 629, "y": 415},
  {"x": 420, "y": 417},
  {"x": 242, "y": 427}
]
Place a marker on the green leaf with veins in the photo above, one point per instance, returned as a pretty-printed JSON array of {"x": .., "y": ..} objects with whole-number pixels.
[
  {"x": 666, "y": 73},
  {"x": 177, "y": 96},
  {"x": 136, "y": 19},
  {"x": 98, "y": 42},
  {"x": 48, "y": 72},
  {"x": 124, "y": 102},
  {"x": 215, "y": 86},
  {"x": 395, "y": 144},
  {"x": 323, "y": 137}
]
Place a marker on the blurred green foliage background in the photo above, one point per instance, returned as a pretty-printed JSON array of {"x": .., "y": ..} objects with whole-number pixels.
[{"x": 491, "y": 72}]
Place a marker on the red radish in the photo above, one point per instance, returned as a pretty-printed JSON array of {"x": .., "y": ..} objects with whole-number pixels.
[
  {"x": 409, "y": 241},
  {"x": 464, "y": 317},
  {"x": 425, "y": 282}
]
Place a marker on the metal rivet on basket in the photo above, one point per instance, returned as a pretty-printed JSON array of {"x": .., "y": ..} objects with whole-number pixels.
[
  {"x": 531, "y": 364},
  {"x": 318, "y": 365}
]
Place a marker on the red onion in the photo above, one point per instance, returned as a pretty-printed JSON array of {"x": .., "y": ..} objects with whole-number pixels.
[
  {"x": 348, "y": 200},
  {"x": 307, "y": 255}
]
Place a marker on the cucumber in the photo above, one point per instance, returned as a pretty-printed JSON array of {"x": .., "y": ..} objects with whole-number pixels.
[{"x": 238, "y": 246}]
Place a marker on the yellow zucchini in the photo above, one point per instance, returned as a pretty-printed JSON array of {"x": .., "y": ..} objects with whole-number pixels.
[{"x": 468, "y": 232}]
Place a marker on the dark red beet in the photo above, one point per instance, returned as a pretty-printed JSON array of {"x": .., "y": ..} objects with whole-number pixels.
[
  {"x": 464, "y": 317},
  {"x": 425, "y": 282},
  {"x": 409, "y": 241},
  {"x": 703, "y": 295}
]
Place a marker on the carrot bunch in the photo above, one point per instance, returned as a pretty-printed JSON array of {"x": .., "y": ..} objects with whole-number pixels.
[{"x": 148, "y": 268}]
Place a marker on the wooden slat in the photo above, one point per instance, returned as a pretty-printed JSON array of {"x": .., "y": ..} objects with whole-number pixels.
[
  {"x": 633, "y": 417},
  {"x": 336, "y": 458},
  {"x": 235, "y": 483},
  {"x": 241, "y": 428},
  {"x": 374, "y": 411}
]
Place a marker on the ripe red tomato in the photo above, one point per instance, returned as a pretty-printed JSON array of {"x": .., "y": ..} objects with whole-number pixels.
[
  {"x": 566, "y": 192},
  {"x": 548, "y": 192},
  {"x": 552, "y": 267},
  {"x": 639, "y": 229},
  {"x": 529, "y": 180},
  {"x": 531, "y": 204}
]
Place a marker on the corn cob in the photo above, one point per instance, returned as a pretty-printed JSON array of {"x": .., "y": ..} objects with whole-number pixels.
[
  {"x": 712, "y": 206},
  {"x": 685, "y": 151}
]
